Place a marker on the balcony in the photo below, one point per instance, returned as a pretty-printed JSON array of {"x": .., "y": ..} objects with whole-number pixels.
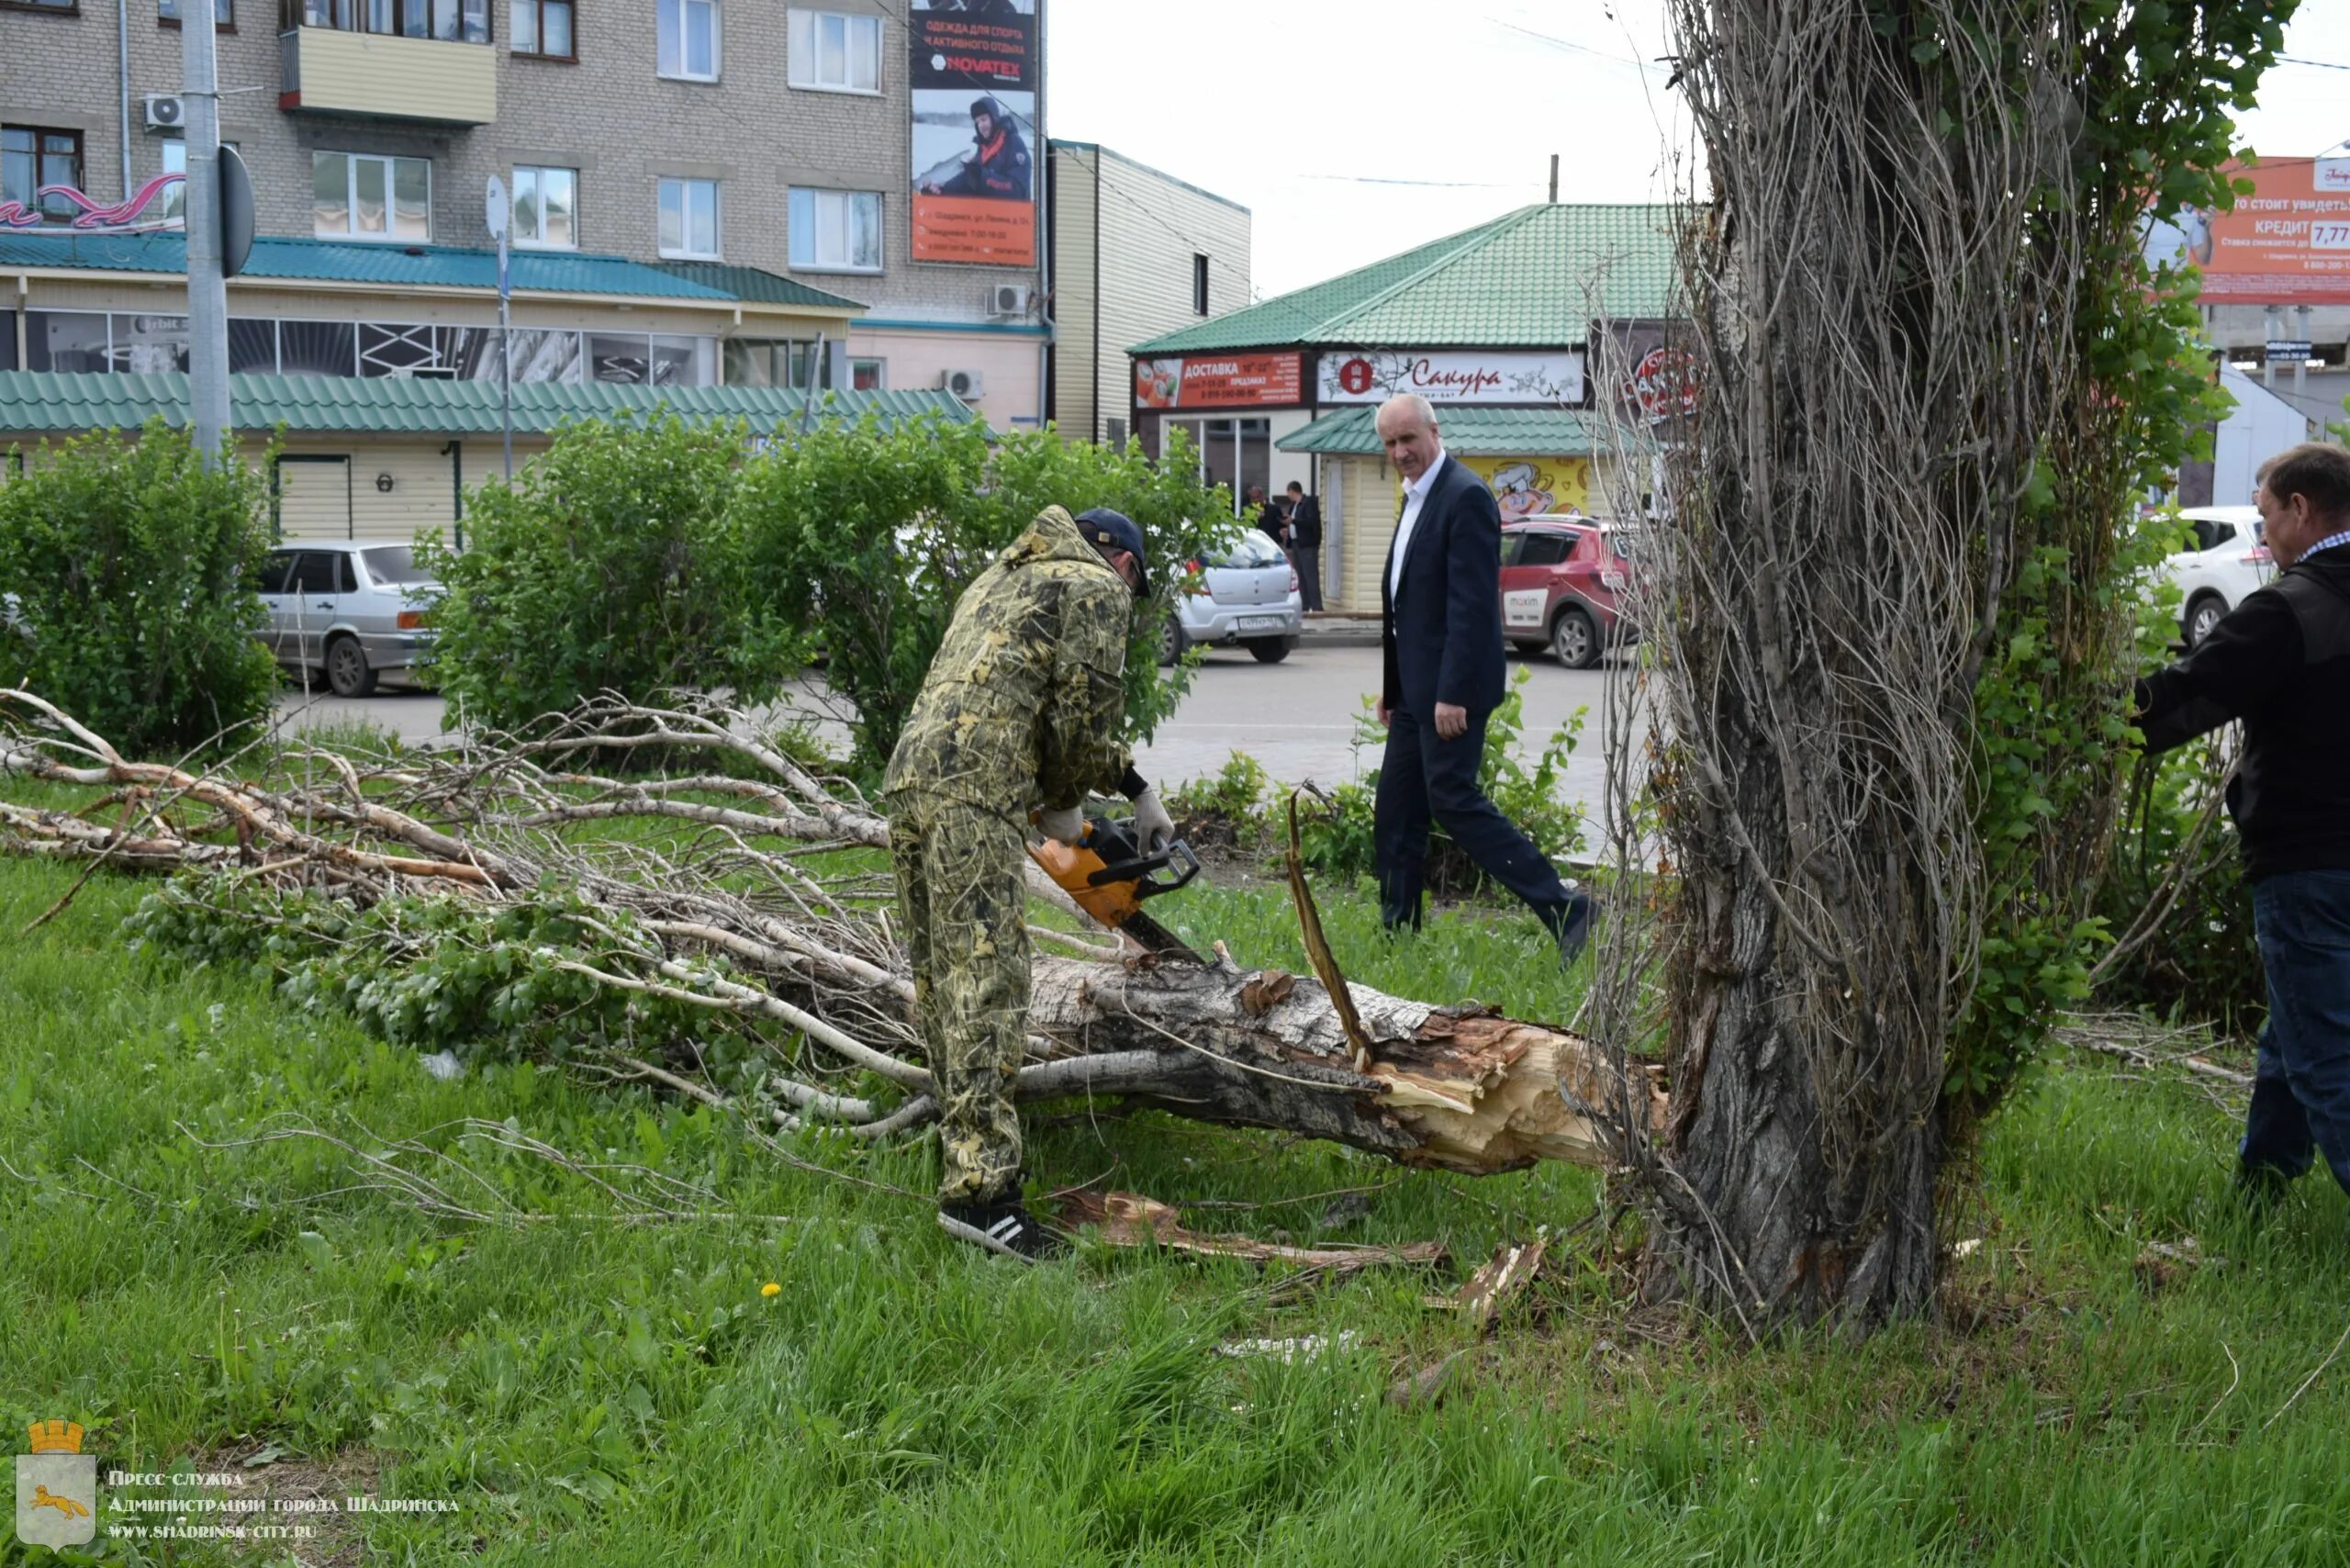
[{"x": 429, "y": 60}]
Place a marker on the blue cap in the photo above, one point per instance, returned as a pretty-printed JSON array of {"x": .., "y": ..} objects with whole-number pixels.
[{"x": 1109, "y": 531}]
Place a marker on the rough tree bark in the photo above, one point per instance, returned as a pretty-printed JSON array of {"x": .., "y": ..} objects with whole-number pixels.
[{"x": 1879, "y": 324}]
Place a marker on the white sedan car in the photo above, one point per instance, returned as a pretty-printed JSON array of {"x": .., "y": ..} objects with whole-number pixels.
[
  {"x": 1247, "y": 597},
  {"x": 352, "y": 608},
  {"x": 2228, "y": 560}
]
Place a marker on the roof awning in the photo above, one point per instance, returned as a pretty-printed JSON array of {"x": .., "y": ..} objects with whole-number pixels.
[
  {"x": 1470, "y": 432},
  {"x": 52, "y": 402}
]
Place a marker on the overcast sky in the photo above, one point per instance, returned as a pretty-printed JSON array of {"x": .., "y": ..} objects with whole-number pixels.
[{"x": 1355, "y": 128}]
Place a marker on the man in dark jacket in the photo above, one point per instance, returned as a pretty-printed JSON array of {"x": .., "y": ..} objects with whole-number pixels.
[
  {"x": 1306, "y": 544},
  {"x": 1441, "y": 639},
  {"x": 997, "y": 166},
  {"x": 2280, "y": 662}
]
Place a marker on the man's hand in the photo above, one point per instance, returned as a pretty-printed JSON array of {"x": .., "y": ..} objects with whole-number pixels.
[
  {"x": 1452, "y": 721},
  {"x": 1154, "y": 829},
  {"x": 1068, "y": 826},
  {"x": 1382, "y": 712}
]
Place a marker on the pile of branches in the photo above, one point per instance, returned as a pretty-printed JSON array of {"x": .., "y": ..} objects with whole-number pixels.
[{"x": 728, "y": 886}]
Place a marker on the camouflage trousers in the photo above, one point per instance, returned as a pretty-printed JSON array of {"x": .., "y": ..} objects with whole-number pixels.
[{"x": 963, "y": 908}]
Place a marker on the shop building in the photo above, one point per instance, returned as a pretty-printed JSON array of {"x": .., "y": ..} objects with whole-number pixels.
[
  {"x": 814, "y": 168},
  {"x": 1495, "y": 326},
  {"x": 1135, "y": 253},
  {"x": 388, "y": 457}
]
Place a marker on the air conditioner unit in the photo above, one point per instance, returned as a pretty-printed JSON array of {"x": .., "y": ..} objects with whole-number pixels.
[
  {"x": 1008, "y": 299},
  {"x": 968, "y": 385},
  {"x": 166, "y": 111}
]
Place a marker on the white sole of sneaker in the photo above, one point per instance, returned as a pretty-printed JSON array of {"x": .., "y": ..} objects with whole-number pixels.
[{"x": 977, "y": 1238}]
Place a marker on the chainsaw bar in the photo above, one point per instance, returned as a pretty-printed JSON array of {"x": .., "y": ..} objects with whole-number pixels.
[{"x": 1157, "y": 939}]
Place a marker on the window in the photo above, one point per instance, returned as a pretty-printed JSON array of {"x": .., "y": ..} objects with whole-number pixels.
[
  {"x": 1543, "y": 548},
  {"x": 546, "y": 205},
  {"x": 690, "y": 40},
  {"x": 224, "y": 14},
  {"x": 32, "y": 156},
  {"x": 356, "y": 196},
  {"x": 867, "y": 375},
  {"x": 61, "y": 8},
  {"x": 836, "y": 231},
  {"x": 835, "y": 53},
  {"x": 689, "y": 218},
  {"x": 1199, "y": 285},
  {"x": 275, "y": 568},
  {"x": 449, "y": 21},
  {"x": 1114, "y": 433},
  {"x": 541, "y": 28}
]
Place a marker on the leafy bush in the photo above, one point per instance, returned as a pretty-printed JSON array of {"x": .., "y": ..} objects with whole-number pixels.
[
  {"x": 2198, "y": 959},
  {"x": 132, "y": 567},
  {"x": 617, "y": 560},
  {"x": 863, "y": 539},
  {"x": 1339, "y": 841},
  {"x": 1232, "y": 809}
]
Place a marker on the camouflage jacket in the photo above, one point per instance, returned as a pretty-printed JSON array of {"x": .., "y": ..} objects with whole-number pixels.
[{"x": 1023, "y": 700}]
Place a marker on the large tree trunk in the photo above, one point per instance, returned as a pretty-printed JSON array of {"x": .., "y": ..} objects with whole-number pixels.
[{"x": 1879, "y": 329}]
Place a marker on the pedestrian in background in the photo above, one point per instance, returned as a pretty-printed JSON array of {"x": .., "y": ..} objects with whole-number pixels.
[
  {"x": 2280, "y": 662},
  {"x": 1306, "y": 544},
  {"x": 1267, "y": 515},
  {"x": 1441, "y": 632}
]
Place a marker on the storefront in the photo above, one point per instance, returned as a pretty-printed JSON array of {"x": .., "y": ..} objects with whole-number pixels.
[{"x": 1490, "y": 326}]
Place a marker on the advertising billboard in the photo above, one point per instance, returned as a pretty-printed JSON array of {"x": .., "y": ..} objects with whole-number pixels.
[
  {"x": 976, "y": 179},
  {"x": 2287, "y": 243},
  {"x": 1218, "y": 381},
  {"x": 1454, "y": 376},
  {"x": 1532, "y": 486}
]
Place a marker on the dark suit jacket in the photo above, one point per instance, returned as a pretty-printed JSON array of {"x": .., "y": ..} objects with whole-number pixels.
[
  {"x": 1442, "y": 632},
  {"x": 1305, "y": 523}
]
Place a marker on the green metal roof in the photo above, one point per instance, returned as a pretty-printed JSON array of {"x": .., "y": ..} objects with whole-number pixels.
[
  {"x": 350, "y": 261},
  {"x": 1471, "y": 432},
  {"x": 1533, "y": 278},
  {"x": 753, "y": 285},
  {"x": 49, "y": 402}
]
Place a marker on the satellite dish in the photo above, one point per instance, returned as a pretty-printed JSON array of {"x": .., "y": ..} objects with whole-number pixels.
[{"x": 498, "y": 210}]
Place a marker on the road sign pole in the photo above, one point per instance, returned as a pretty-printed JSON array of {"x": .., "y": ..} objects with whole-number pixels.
[
  {"x": 207, "y": 291},
  {"x": 500, "y": 216}
]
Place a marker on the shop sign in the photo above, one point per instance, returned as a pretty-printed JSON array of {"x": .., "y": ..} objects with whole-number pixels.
[
  {"x": 1530, "y": 486},
  {"x": 92, "y": 215},
  {"x": 1454, "y": 376},
  {"x": 975, "y": 142},
  {"x": 1218, "y": 381}
]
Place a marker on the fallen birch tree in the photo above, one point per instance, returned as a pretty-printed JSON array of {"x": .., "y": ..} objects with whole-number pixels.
[{"x": 706, "y": 891}]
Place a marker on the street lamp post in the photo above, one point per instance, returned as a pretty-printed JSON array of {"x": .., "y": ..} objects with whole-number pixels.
[{"x": 208, "y": 288}]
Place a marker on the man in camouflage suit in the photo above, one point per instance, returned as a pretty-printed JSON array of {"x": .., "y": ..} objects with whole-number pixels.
[{"x": 1019, "y": 710}]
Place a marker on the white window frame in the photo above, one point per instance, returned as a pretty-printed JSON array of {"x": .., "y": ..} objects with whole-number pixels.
[
  {"x": 539, "y": 172},
  {"x": 817, "y": 198},
  {"x": 717, "y": 219},
  {"x": 663, "y": 10},
  {"x": 391, "y": 161},
  {"x": 805, "y": 55}
]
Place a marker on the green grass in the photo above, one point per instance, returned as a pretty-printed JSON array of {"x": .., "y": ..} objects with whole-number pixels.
[{"x": 593, "y": 1393}]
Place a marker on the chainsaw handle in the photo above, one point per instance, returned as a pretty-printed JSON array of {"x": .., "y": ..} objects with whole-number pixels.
[{"x": 1138, "y": 870}]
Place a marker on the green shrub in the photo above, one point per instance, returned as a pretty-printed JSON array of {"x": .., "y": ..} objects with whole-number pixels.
[
  {"x": 617, "y": 560},
  {"x": 133, "y": 568},
  {"x": 863, "y": 538},
  {"x": 1240, "y": 807},
  {"x": 2200, "y": 959}
]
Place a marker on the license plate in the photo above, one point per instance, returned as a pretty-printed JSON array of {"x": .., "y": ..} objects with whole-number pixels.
[{"x": 1261, "y": 622}]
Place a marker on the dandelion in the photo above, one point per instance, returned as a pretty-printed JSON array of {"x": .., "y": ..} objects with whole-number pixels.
[{"x": 771, "y": 1288}]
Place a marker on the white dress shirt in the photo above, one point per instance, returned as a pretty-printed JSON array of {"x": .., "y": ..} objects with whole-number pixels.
[{"x": 1414, "y": 494}]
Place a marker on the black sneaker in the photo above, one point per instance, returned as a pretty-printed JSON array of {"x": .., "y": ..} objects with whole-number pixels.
[
  {"x": 1005, "y": 1228},
  {"x": 1571, "y": 924},
  {"x": 2260, "y": 1187}
]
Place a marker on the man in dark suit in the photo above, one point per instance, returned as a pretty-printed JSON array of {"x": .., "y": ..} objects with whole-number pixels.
[
  {"x": 1441, "y": 631},
  {"x": 1306, "y": 544}
]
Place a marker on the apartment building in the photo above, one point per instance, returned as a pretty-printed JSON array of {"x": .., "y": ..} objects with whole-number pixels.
[
  {"x": 1136, "y": 253},
  {"x": 701, "y": 191}
]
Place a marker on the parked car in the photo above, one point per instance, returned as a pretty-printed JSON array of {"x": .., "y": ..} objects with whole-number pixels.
[
  {"x": 351, "y": 608},
  {"x": 1563, "y": 579},
  {"x": 1249, "y": 595},
  {"x": 2228, "y": 560}
]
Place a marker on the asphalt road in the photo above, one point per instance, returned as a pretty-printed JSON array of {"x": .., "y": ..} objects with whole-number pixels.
[{"x": 1296, "y": 718}]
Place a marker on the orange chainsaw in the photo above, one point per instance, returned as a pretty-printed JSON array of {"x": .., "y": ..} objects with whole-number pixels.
[{"x": 1108, "y": 877}]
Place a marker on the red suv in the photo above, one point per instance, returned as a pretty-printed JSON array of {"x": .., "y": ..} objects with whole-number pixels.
[{"x": 1563, "y": 580}]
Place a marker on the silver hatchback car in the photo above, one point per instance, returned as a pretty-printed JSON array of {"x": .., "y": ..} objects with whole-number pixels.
[
  {"x": 352, "y": 609},
  {"x": 1249, "y": 597}
]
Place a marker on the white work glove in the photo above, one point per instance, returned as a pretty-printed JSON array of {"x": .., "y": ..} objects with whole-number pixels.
[
  {"x": 1154, "y": 829},
  {"x": 1067, "y": 825}
]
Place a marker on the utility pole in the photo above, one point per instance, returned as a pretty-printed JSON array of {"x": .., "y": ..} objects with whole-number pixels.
[
  {"x": 1554, "y": 179},
  {"x": 207, "y": 288}
]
